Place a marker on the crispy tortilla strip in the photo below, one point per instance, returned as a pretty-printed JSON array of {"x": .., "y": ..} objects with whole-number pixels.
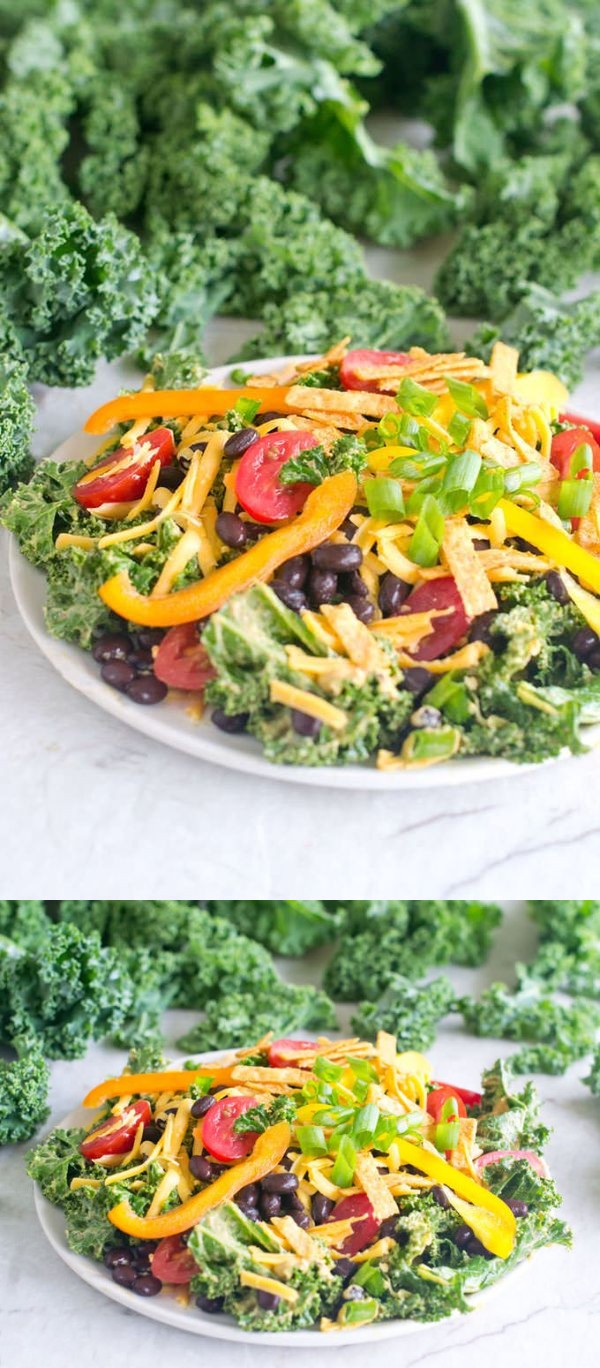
[
  {"x": 465, "y": 1151},
  {"x": 503, "y": 367},
  {"x": 256, "y": 1073},
  {"x": 357, "y": 640},
  {"x": 588, "y": 532},
  {"x": 464, "y": 564},
  {"x": 332, "y": 357},
  {"x": 497, "y": 557},
  {"x": 343, "y": 422},
  {"x": 299, "y": 1241},
  {"x": 386, "y": 1048},
  {"x": 373, "y": 1185},
  {"x": 340, "y": 402}
]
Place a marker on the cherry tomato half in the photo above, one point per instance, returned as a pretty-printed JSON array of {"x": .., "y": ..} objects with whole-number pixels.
[
  {"x": 218, "y": 1135},
  {"x": 181, "y": 660},
  {"x": 470, "y": 1099},
  {"x": 564, "y": 444},
  {"x": 355, "y": 360},
  {"x": 116, "y": 1135},
  {"x": 92, "y": 489},
  {"x": 437, "y": 1099},
  {"x": 357, "y": 1207},
  {"x": 580, "y": 421},
  {"x": 258, "y": 487},
  {"x": 172, "y": 1261},
  {"x": 447, "y": 631},
  {"x": 285, "y": 1051}
]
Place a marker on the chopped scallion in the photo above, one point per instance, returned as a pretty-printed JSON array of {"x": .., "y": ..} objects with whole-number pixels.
[
  {"x": 385, "y": 498},
  {"x": 424, "y": 545},
  {"x": 342, "y": 1172},
  {"x": 415, "y": 399},
  {"x": 468, "y": 399},
  {"x": 574, "y": 498},
  {"x": 312, "y": 1142}
]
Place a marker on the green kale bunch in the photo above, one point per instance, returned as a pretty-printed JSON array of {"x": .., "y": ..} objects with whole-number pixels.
[
  {"x": 549, "y": 333},
  {"x": 407, "y": 1010},
  {"x": 569, "y": 953},
  {"x": 16, "y": 424},
  {"x": 506, "y": 1117},
  {"x": 24, "y": 1084},
  {"x": 556, "y": 1034},
  {"x": 25, "y": 924},
  {"x": 287, "y": 927},
  {"x": 236, "y": 1017}
]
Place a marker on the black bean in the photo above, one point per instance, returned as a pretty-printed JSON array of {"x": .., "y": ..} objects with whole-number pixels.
[
  {"x": 337, "y": 556},
  {"x": 239, "y": 442},
  {"x": 462, "y": 1235},
  {"x": 201, "y": 1168},
  {"x": 212, "y": 1305},
  {"x": 344, "y": 1268},
  {"x": 147, "y": 689},
  {"x": 480, "y": 628},
  {"x": 118, "y": 674},
  {"x": 353, "y": 584},
  {"x": 152, "y": 1133},
  {"x": 229, "y": 722},
  {"x": 268, "y": 1301},
  {"x": 584, "y": 643},
  {"x": 171, "y": 476},
  {"x": 556, "y": 586},
  {"x": 124, "y": 1275},
  {"x": 321, "y": 1208},
  {"x": 322, "y": 587},
  {"x": 593, "y": 661},
  {"x": 517, "y": 1207},
  {"x": 198, "y": 446},
  {"x": 293, "y": 598},
  {"x": 250, "y": 1194},
  {"x": 426, "y": 717},
  {"x": 362, "y": 608},
  {"x": 388, "y": 1226},
  {"x": 202, "y": 1105},
  {"x": 393, "y": 592},
  {"x": 304, "y": 725},
  {"x": 280, "y": 1182},
  {"x": 142, "y": 661},
  {"x": 112, "y": 646},
  {"x": 147, "y": 1285},
  {"x": 475, "y": 1249},
  {"x": 301, "y": 1218},
  {"x": 348, "y": 528},
  {"x": 117, "y": 1254},
  {"x": 248, "y": 1209},
  {"x": 522, "y": 545},
  {"x": 480, "y": 544},
  {"x": 141, "y": 1261},
  {"x": 270, "y": 1205},
  {"x": 417, "y": 680},
  {"x": 255, "y": 530},
  {"x": 294, "y": 571},
  {"x": 268, "y": 417},
  {"x": 230, "y": 528},
  {"x": 292, "y": 1202},
  {"x": 440, "y": 1197},
  {"x": 149, "y": 636}
]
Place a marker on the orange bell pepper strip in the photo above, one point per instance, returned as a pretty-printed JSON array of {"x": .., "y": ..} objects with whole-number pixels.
[
  {"x": 180, "y": 403},
  {"x": 173, "y": 1080},
  {"x": 552, "y": 542},
  {"x": 268, "y": 1151},
  {"x": 324, "y": 511},
  {"x": 498, "y": 1232}
]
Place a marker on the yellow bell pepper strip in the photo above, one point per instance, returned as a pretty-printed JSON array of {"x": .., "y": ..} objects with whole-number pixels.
[
  {"x": 268, "y": 1151},
  {"x": 499, "y": 1238},
  {"x": 324, "y": 511},
  {"x": 173, "y": 1080},
  {"x": 180, "y": 403},
  {"x": 552, "y": 542},
  {"x": 488, "y": 1227}
]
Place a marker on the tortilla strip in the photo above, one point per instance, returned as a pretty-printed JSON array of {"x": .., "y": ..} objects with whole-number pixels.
[
  {"x": 588, "y": 532},
  {"x": 340, "y": 402},
  {"x": 464, "y": 564},
  {"x": 257, "y": 1073},
  {"x": 503, "y": 367},
  {"x": 347, "y": 421},
  {"x": 373, "y": 1184},
  {"x": 358, "y": 641}
]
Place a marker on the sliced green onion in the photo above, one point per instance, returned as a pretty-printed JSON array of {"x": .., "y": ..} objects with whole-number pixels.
[
  {"x": 451, "y": 696},
  {"x": 447, "y": 1135},
  {"x": 333, "y": 1116},
  {"x": 459, "y": 428},
  {"x": 417, "y": 467},
  {"x": 247, "y": 409},
  {"x": 201, "y": 1086},
  {"x": 358, "y": 1312},
  {"x": 468, "y": 399},
  {"x": 424, "y": 545},
  {"x": 239, "y": 375},
  {"x": 449, "y": 1110},
  {"x": 384, "y": 498},
  {"x": 365, "y": 1124},
  {"x": 370, "y": 1277},
  {"x": 326, "y": 1071},
  {"x": 462, "y": 472},
  {"x": 519, "y": 477},
  {"x": 415, "y": 399},
  {"x": 312, "y": 1142},
  {"x": 389, "y": 427},
  {"x": 574, "y": 498},
  {"x": 582, "y": 459},
  {"x": 486, "y": 493},
  {"x": 342, "y": 1172},
  {"x": 430, "y": 744}
]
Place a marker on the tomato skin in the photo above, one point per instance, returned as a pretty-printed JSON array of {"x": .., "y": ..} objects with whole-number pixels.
[
  {"x": 565, "y": 443},
  {"x": 130, "y": 483},
  {"x": 365, "y": 1229},
  {"x": 181, "y": 660},
  {"x": 466, "y": 1095},
  {"x": 365, "y": 356},
  {"x": 437, "y": 1099},
  {"x": 117, "y": 1134},
  {"x": 218, "y": 1135},
  {"x": 257, "y": 484},
  {"x": 172, "y": 1261},
  {"x": 589, "y": 423},
  {"x": 447, "y": 631},
  {"x": 285, "y": 1051}
]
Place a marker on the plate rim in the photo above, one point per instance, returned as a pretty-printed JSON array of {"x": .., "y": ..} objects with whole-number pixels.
[{"x": 197, "y": 740}]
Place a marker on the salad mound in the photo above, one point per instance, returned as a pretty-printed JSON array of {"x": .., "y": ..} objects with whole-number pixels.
[
  {"x": 367, "y": 556},
  {"x": 303, "y": 1183}
]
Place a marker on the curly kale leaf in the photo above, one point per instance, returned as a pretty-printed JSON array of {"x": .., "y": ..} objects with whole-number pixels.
[
  {"x": 549, "y": 333},
  {"x": 507, "y": 1118},
  {"x": 17, "y": 412},
  {"x": 593, "y": 1078},
  {"x": 258, "y": 1119},
  {"x": 38, "y": 511},
  {"x": 112, "y": 175},
  {"x": 569, "y": 953},
  {"x": 55, "y": 1162},
  {"x": 237, "y": 1017},
  {"x": 314, "y": 464},
  {"x": 409, "y": 1011},
  {"x": 34, "y": 132},
  {"x": 24, "y": 923},
  {"x": 24, "y": 1084},
  {"x": 558, "y": 1034},
  {"x": 286, "y": 928},
  {"x": 202, "y": 174},
  {"x": 374, "y": 313}
]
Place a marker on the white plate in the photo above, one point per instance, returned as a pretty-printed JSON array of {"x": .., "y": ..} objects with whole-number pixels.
[{"x": 169, "y": 723}]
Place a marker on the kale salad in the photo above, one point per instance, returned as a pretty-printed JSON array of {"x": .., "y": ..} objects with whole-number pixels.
[
  {"x": 372, "y": 557},
  {"x": 301, "y": 1183}
]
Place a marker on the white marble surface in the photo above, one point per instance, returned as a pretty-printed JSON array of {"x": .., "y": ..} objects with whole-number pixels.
[
  {"x": 94, "y": 808},
  {"x": 545, "y": 1314}
]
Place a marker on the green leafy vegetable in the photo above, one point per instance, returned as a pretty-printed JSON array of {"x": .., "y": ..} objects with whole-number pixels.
[
  {"x": 24, "y": 1086},
  {"x": 558, "y": 1034},
  {"x": 410, "y": 1011},
  {"x": 258, "y": 1119},
  {"x": 287, "y": 927}
]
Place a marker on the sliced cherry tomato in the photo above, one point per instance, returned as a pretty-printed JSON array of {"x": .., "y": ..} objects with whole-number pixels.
[
  {"x": 364, "y": 1231},
  {"x": 470, "y": 1099},
  {"x": 496, "y": 1157},
  {"x": 181, "y": 660},
  {"x": 258, "y": 487},
  {"x": 564, "y": 444},
  {"x": 437, "y": 1099},
  {"x": 116, "y": 1135},
  {"x": 218, "y": 1135},
  {"x": 172, "y": 1261},
  {"x": 447, "y": 631},
  {"x": 355, "y": 360},
  {"x": 92, "y": 490},
  {"x": 580, "y": 421},
  {"x": 286, "y": 1051}
]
